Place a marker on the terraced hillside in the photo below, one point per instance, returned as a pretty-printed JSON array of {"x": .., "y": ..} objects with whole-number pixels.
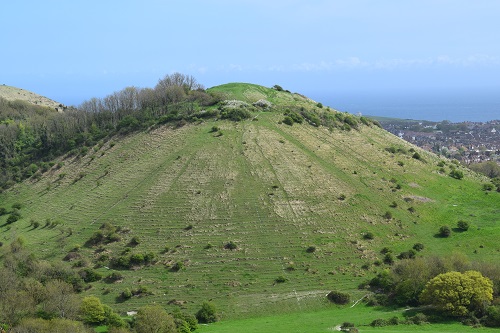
[{"x": 255, "y": 215}]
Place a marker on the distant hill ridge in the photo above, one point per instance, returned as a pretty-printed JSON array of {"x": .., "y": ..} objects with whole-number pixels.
[{"x": 12, "y": 93}]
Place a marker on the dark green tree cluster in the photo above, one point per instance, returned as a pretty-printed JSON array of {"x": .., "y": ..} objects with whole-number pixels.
[{"x": 451, "y": 286}]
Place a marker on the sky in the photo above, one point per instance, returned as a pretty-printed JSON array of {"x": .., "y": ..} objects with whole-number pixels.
[{"x": 330, "y": 50}]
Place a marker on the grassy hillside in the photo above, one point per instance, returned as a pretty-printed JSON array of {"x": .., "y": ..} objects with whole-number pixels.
[
  {"x": 12, "y": 93},
  {"x": 297, "y": 202}
]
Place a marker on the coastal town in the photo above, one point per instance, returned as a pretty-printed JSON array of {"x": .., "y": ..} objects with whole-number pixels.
[{"x": 468, "y": 142}]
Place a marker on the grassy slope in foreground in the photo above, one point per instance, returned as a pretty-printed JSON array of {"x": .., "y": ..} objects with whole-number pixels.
[
  {"x": 330, "y": 319},
  {"x": 273, "y": 190}
]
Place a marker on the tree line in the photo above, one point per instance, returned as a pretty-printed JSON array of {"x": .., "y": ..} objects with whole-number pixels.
[{"x": 31, "y": 136}]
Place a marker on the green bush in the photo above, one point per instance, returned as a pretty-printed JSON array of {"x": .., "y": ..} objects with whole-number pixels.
[
  {"x": 463, "y": 225},
  {"x": 126, "y": 294},
  {"x": 89, "y": 275},
  {"x": 457, "y": 174},
  {"x": 231, "y": 246},
  {"x": 444, "y": 231},
  {"x": 236, "y": 114},
  {"x": 288, "y": 121},
  {"x": 13, "y": 217},
  {"x": 207, "y": 313},
  {"x": 311, "y": 249},
  {"x": 388, "y": 259},
  {"x": 418, "y": 247},
  {"x": 280, "y": 279},
  {"x": 417, "y": 156},
  {"x": 338, "y": 297},
  {"x": 177, "y": 266},
  {"x": 387, "y": 215},
  {"x": 379, "y": 323},
  {"x": 369, "y": 235}
]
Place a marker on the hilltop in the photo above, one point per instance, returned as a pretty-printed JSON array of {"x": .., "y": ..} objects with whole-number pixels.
[
  {"x": 12, "y": 93},
  {"x": 261, "y": 202}
]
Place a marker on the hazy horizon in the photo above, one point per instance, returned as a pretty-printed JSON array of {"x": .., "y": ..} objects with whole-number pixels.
[{"x": 73, "y": 51}]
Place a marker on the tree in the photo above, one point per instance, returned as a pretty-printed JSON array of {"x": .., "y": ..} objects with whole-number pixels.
[
  {"x": 458, "y": 294},
  {"x": 60, "y": 299},
  {"x": 154, "y": 319},
  {"x": 92, "y": 310},
  {"x": 207, "y": 313}
]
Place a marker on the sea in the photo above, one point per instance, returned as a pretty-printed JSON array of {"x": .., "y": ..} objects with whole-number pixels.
[{"x": 450, "y": 106}]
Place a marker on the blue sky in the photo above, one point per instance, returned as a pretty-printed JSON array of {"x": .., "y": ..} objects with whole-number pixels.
[{"x": 74, "y": 50}]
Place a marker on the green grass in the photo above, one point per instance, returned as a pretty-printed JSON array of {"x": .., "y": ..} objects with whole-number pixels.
[
  {"x": 327, "y": 319},
  {"x": 272, "y": 189}
]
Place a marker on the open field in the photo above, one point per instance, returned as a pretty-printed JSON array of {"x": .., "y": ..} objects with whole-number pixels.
[
  {"x": 274, "y": 191},
  {"x": 330, "y": 319}
]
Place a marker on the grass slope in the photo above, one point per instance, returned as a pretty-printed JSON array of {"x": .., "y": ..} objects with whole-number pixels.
[
  {"x": 270, "y": 188},
  {"x": 12, "y": 93}
]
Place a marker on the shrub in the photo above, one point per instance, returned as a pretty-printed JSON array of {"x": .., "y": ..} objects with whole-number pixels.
[
  {"x": 417, "y": 156},
  {"x": 113, "y": 277},
  {"x": 177, "y": 266},
  {"x": 457, "y": 174},
  {"x": 393, "y": 321},
  {"x": 388, "y": 259},
  {"x": 126, "y": 294},
  {"x": 16, "y": 205},
  {"x": 136, "y": 259},
  {"x": 237, "y": 114},
  {"x": 288, "y": 121},
  {"x": 207, "y": 313},
  {"x": 463, "y": 225},
  {"x": 407, "y": 254},
  {"x": 418, "y": 319},
  {"x": 391, "y": 150},
  {"x": 90, "y": 275},
  {"x": 3, "y": 211},
  {"x": 379, "y": 323},
  {"x": 418, "y": 247},
  {"x": 134, "y": 241},
  {"x": 385, "y": 250},
  {"x": 458, "y": 294},
  {"x": 280, "y": 279},
  {"x": 231, "y": 246},
  {"x": 311, "y": 249},
  {"x": 13, "y": 218},
  {"x": 387, "y": 215},
  {"x": 338, "y": 297},
  {"x": 369, "y": 235},
  {"x": 486, "y": 187},
  {"x": 444, "y": 231}
]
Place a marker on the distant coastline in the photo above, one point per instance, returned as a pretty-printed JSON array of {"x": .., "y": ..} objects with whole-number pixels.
[{"x": 454, "y": 107}]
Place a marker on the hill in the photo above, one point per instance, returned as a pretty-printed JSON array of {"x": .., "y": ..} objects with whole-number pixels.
[
  {"x": 12, "y": 93},
  {"x": 257, "y": 215}
]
